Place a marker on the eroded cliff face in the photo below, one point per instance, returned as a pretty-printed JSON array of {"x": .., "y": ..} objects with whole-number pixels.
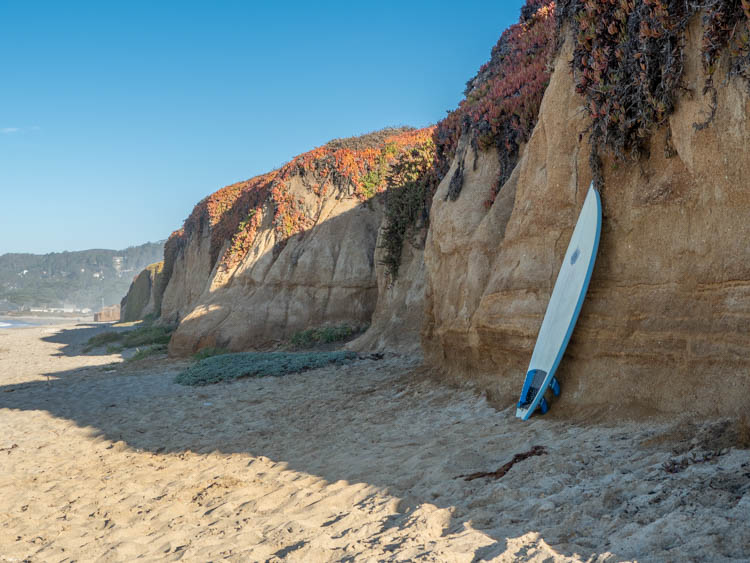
[
  {"x": 191, "y": 271},
  {"x": 322, "y": 276},
  {"x": 144, "y": 295},
  {"x": 665, "y": 324},
  {"x": 397, "y": 320},
  {"x": 289, "y": 250}
]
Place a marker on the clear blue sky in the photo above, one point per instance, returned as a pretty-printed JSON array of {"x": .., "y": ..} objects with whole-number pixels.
[{"x": 117, "y": 117}]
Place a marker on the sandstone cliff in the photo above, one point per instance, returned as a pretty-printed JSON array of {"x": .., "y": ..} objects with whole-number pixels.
[
  {"x": 144, "y": 295},
  {"x": 664, "y": 326},
  {"x": 324, "y": 276},
  {"x": 187, "y": 274},
  {"x": 397, "y": 319},
  {"x": 499, "y": 112},
  {"x": 286, "y": 251}
]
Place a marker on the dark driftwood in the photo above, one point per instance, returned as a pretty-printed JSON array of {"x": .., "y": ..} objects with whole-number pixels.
[{"x": 536, "y": 450}]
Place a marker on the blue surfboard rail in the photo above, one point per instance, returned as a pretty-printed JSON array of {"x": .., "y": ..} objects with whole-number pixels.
[{"x": 523, "y": 403}]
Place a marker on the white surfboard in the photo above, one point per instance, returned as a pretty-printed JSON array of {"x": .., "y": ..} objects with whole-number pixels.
[{"x": 563, "y": 308}]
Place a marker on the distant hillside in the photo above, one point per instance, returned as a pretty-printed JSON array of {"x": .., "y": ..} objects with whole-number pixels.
[{"x": 85, "y": 278}]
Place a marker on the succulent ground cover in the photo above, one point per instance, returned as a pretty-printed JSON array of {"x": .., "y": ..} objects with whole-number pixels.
[
  {"x": 258, "y": 364},
  {"x": 627, "y": 64}
]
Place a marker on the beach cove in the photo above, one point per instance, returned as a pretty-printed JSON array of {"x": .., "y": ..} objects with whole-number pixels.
[{"x": 102, "y": 459}]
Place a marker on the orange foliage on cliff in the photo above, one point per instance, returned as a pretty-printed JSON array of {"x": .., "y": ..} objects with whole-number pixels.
[
  {"x": 233, "y": 214},
  {"x": 502, "y": 101}
]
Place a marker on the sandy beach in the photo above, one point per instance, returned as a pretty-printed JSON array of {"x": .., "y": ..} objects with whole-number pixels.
[{"x": 107, "y": 460}]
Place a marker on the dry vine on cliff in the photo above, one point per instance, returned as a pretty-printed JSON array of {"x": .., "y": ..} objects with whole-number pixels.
[
  {"x": 407, "y": 201},
  {"x": 628, "y": 63}
]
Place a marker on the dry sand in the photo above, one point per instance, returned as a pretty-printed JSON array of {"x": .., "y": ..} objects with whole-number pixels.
[{"x": 110, "y": 461}]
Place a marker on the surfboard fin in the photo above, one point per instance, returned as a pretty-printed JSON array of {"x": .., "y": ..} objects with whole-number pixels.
[
  {"x": 543, "y": 406},
  {"x": 555, "y": 387}
]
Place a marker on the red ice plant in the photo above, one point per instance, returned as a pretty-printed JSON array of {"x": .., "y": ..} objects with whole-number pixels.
[
  {"x": 628, "y": 63},
  {"x": 233, "y": 213},
  {"x": 502, "y": 101}
]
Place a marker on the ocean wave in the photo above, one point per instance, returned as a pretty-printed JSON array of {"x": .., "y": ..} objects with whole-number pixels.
[{"x": 5, "y": 325}]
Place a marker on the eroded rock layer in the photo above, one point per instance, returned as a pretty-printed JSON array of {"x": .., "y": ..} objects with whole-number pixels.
[{"x": 323, "y": 276}]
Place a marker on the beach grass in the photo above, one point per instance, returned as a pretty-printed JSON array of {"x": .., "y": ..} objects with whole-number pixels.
[
  {"x": 147, "y": 335},
  {"x": 147, "y": 351},
  {"x": 102, "y": 339},
  {"x": 144, "y": 335}
]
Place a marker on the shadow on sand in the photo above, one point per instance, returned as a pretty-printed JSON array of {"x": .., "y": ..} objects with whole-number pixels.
[
  {"x": 364, "y": 423},
  {"x": 74, "y": 340}
]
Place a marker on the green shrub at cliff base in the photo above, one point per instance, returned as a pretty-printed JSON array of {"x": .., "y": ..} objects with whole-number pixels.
[
  {"x": 148, "y": 351},
  {"x": 323, "y": 335},
  {"x": 147, "y": 335},
  {"x": 209, "y": 352},
  {"x": 101, "y": 339},
  {"x": 258, "y": 364}
]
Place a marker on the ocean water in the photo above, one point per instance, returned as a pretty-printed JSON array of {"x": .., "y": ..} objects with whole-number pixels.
[{"x": 12, "y": 323}]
